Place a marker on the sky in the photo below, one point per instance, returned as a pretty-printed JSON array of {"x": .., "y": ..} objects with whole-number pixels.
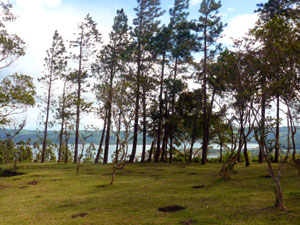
[{"x": 38, "y": 19}]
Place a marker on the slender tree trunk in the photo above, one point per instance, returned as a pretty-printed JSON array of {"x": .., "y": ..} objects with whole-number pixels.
[
  {"x": 46, "y": 124},
  {"x": 194, "y": 132},
  {"x": 241, "y": 136},
  {"x": 159, "y": 130},
  {"x": 262, "y": 131},
  {"x": 48, "y": 109},
  {"x": 78, "y": 106},
  {"x": 62, "y": 124},
  {"x": 205, "y": 120},
  {"x": 165, "y": 137},
  {"x": 247, "y": 160},
  {"x": 165, "y": 147},
  {"x": 277, "y": 130},
  {"x": 60, "y": 139},
  {"x": 109, "y": 105},
  {"x": 137, "y": 105},
  {"x": 221, "y": 152},
  {"x": 115, "y": 166},
  {"x": 66, "y": 144},
  {"x": 119, "y": 130},
  {"x": 144, "y": 126},
  {"x": 102, "y": 138},
  {"x": 173, "y": 111}
]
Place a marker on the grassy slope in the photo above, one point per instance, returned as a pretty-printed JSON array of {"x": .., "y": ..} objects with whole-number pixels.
[{"x": 140, "y": 189}]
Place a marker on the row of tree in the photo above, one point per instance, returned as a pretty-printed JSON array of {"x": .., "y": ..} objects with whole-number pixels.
[{"x": 139, "y": 80}]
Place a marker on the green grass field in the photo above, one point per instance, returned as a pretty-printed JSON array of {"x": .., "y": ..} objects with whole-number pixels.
[{"x": 54, "y": 194}]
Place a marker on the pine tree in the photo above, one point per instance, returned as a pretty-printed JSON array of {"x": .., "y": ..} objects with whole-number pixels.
[
  {"x": 111, "y": 65},
  {"x": 209, "y": 27},
  {"x": 86, "y": 45},
  {"x": 146, "y": 24},
  {"x": 55, "y": 65}
]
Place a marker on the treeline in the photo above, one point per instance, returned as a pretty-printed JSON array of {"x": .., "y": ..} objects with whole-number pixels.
[
  {"x": 53, "y": 137},
  {"x": 36, "y": 136},
  {"x": 140, "y": 82}
]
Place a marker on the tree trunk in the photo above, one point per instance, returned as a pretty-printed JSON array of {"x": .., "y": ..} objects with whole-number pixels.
[
  {"x": 66, "y": 144},
  {"x": 205, "y": 120},
  {"x": 144, "y": 126},
  {"x": 159, "y": 130},
  {"x": 241, "y": 136},
  {"x": 194, "y": 133},
  {"x": 262, "y": 131},
  {"x": 102, "y": 138},
  {"x": 221, "y": 152},
  {"x": 277, "y": 131},
  {"x": 173, "y": 111},
  {"x": 137, "y": 108},
  {"x": 60, "y": 140},
  {"x": 78, "y": 106},
  {"x": 247, "y": 160},
  {"x": 46, "y": 126},
  {"x": 62, "y": 123}
]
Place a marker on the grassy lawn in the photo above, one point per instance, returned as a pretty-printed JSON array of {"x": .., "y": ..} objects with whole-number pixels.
[{"x": 54, "y": 194}]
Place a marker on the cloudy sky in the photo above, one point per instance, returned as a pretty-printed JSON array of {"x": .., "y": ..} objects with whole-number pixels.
[{"x": 38, "y": 19}]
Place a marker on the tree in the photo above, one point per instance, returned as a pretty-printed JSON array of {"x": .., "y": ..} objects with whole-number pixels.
[
  {"x": 146, "y": 24},
  {"x": 269, "y": 11},
  {"x": 55, "y": 65},
  {"x": 110, "y": 65},
  {"x": 16, "y": 95},
  {"x": 210, "y": 27},
  {"x": 11, "y": 46},
  {"x": 182, "y": 44},
  {"x": 65, "y": 113},
  {"x": 87, "y": 41}
]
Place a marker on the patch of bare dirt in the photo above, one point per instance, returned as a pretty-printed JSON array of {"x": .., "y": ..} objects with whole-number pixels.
[
  {"x": 189, "y": 222},
  {"x": 199, "y": 186},
  {"x": 266, "y": 176},
  {"x": 33, "y": 182},
  {"x": 2, "y": 187},
  {"x": 79, "y": 215},
  {"x": 22, "y": 187},
  {"x": 172, "y": 208}
]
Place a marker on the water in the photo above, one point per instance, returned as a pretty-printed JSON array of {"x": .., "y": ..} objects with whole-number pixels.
[{"x": 112, "y": 148}]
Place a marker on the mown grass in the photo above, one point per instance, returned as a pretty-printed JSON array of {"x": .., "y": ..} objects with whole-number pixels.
[{"x": 140, "y": 189}]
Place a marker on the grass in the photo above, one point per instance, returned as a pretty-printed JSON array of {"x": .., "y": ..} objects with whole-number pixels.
[{"x": 62, "y": 197}]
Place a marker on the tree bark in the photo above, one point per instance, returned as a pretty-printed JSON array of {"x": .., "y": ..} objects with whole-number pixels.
[
  {"x": 102, "y": 138},
  {"x": 277, "y": 130},
  {"x": 48, "y": 109},
  {"x": 137, "y": 105},
  {"x": 173, "y": 111},
  {"x": 262, "y": 132},
  {"x": 159, "y": 130},
  {"x": 144, "y": 126},
  {"x": 78, "y": 104},
  {"x": 194, "y": 134},
  {"x": 205, "y": 121},
  {"x": 247, "y": 160}
]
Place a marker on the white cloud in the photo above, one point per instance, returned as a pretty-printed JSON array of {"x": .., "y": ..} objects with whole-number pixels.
[
  {"x": 238, "y": 27},
  {"x": 37, "y": 20},
  {"x": 230, "y": 9},
  {"x": 195, "y": 2}
]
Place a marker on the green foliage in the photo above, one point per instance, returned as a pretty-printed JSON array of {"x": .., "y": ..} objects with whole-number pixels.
[
  {"x": 16, "y": 94},
  {"x": 90, "y": 154}
]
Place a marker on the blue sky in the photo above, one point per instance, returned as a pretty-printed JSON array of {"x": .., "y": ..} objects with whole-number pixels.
[{"x": 38, "y": 19}]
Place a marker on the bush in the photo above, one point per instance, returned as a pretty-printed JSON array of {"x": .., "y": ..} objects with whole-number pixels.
[
  {"x": 196, "y": 160},
  {"x": 178, "y": 159}
]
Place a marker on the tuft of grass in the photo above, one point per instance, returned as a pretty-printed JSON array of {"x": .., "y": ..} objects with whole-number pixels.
[{"x": 59, "y": 196}]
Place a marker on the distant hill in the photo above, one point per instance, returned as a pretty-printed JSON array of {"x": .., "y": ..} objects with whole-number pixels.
[{"x": 53, "y": 136}]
